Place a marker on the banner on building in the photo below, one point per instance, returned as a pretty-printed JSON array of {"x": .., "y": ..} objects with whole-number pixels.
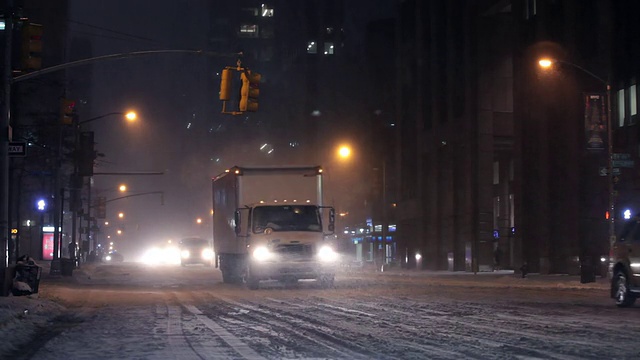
[{"x": 595, "y": 121}]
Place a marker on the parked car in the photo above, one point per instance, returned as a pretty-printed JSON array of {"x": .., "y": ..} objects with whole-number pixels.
[
  {"x": 625, "y": 264},
  {"x": 195, "y": 251}
]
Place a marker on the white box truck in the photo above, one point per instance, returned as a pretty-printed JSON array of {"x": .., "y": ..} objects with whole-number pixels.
[{"x": 269, "y": 223}]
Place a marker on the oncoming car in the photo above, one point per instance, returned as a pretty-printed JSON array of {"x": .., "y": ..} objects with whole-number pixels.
[
  {"x": 114, "y": 257},
  {"x": 195, "y": 251}
]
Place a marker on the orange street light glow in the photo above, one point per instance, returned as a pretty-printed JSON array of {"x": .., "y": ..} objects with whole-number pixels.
[
  {"x": 344, "y": 152},
  {"x": 545, "y": 63}
]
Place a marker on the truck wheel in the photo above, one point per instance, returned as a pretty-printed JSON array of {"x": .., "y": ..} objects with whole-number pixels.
[
  {"x": 253, "y": 284},
  {"x": 623, "y": 296},
  {"x": 250, "y": 281}
]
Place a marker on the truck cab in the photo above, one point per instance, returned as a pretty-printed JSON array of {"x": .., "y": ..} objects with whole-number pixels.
[{"x": 287, "y": 243}]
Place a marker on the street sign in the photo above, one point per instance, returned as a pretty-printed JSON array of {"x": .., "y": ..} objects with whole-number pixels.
[
  {"x": 17, "y": 149},
  {"x": 623, "y": 163},
  {"x": 619, "y": 156},
  {"x": 602, "y": 171}
]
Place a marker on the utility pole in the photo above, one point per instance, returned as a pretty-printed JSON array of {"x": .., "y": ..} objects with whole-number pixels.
[{"x": 5, "y": 138}]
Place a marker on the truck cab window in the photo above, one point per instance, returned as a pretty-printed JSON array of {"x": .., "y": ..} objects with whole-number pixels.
[{"x": 286, "y": 218}]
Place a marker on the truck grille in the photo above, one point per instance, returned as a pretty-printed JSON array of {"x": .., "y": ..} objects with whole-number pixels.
[{"x": 295, "y": 251}]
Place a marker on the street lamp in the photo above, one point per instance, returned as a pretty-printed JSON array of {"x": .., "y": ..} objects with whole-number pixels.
[
  {"x": 344, "y": 152},
  {"x": 547, "y": 63}
]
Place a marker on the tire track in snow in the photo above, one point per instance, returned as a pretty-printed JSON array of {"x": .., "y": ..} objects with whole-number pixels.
[
  {"x": 229, "y": 339},
  {"x": 180, "y": 347},
  {"x": 427, "y": 348},
  {"x": 491, "y": 327},
  {"x": 322, "y": 335},
  {"x": 238, "y": 345}
]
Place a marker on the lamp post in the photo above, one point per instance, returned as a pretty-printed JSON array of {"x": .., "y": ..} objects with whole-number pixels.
[
  {"x": 130, "y": 116},
  {"x": 547, "y": 63}
]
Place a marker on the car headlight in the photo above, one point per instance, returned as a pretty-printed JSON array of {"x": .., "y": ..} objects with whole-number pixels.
[
  {"x": 108, "y": 257},
  {"x": 261, "y": 253},
  {"x": 207, "y": 254},
  {"x": 327, "y": 254},
  {"x": 185, "y": 254}
]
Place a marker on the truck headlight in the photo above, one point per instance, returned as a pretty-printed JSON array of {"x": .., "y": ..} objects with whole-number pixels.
[
  {"x": 207, "y": 254},
  {"x": 185, "y": 254},
  {"x": 327, "y": 254},
  {"x": 262, "y": 253}
]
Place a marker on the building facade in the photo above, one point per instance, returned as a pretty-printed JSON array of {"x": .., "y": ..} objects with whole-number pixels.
[{"x": 495, "y": 164}]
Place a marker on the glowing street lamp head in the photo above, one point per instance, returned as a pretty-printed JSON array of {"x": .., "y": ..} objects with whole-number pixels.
[
  {"x": 121, "y": 215},
  {"x": 131, "y": 116},
  {"x": 123, "y": 188},
  {"x": 545, "y": 63},
  {"x": 344, "y": 151}
]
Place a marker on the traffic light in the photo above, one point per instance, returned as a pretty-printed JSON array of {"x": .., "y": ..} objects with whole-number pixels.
[
  {"x": 31, "y": 54},
  {"x": 225, "y": 84},
  {"x": 67, "y": 110},
  {"x": 101, "y": 207},
  {"x": 249, "y": 91},
  {"x": 86, "y": 154}
]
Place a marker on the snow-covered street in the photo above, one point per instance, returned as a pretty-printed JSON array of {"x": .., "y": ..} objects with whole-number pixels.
[{"x": 131, "y": 311}]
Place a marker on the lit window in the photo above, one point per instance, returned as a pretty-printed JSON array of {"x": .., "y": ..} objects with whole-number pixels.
[
  {"x": 328, "y": 48},
  {"x": 248, "y": 31},
  {"x": 266, "y": 11},
  {"x": 621, "y": 107},
  {"x": 248, "y": 28},
  {"x": 312, "y": 47}
]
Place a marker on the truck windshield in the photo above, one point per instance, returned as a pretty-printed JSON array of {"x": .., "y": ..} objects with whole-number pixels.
[{"x": 286, "y": 218}]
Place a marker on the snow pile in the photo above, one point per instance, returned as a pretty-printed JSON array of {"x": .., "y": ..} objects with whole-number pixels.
[{"x": 21, "y": 317}]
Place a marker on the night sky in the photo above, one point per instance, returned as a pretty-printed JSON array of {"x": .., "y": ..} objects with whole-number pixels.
[{"x": 180, "y": 130}]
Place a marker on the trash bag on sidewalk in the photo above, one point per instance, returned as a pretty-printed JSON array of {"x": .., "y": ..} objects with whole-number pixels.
[{"x": 27, "y": 278}]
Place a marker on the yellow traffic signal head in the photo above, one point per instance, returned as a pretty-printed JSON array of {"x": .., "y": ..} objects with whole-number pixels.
[
  {"x": 225, "y": 84},
  {"x": 249, "y": 91},
  {"x": 31, "y": 54}
]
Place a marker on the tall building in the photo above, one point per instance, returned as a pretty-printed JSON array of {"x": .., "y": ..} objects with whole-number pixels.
[{"x": 503, "y": 162}]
